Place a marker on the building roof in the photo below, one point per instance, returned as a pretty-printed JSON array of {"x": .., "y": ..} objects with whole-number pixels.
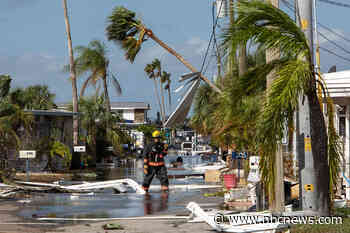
[
  {"x": 51, "y": 113},
  {"x": 130, "y": 105},
  {"x": 117, "y": 105},
  {"x": 338, "y": 86}
]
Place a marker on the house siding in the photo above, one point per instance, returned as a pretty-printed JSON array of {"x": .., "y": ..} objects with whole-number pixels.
[{"x": 139, "y": 116}]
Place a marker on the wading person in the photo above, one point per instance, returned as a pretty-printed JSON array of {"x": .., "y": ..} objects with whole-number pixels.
[{"x": 153, "y": 158}]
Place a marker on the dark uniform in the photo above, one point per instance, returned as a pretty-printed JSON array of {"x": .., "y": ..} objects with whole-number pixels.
[{"x": 154, "y": 164}]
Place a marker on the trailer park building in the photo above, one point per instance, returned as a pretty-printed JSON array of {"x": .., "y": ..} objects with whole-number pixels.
[{"x": 133, "y": 114}]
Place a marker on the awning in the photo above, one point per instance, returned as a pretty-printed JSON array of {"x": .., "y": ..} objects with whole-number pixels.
[{"x": 181, "y": 111}]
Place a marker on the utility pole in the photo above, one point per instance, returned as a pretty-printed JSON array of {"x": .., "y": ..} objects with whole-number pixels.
[
  {"x": 232, "y": 56},
  {"x": 307, "y": 181},
  {"x": 278, "y": 204},
  {"x": 242, "y": 58}
]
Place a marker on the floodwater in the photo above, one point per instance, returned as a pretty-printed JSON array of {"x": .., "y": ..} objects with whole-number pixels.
[{"x": 108, "y": 204}]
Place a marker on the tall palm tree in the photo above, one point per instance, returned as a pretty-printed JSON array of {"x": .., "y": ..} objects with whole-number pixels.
[
  {"x": 129, "y": 32},
  {"x": 93, "y": 59},
  {"x": 72, "y": 76},
  {"x": 158, "y": 75},
  {"x": 150, "y": 70},
  {"x": 166, "y": 79},
  {"x": 266, "y": 25}
]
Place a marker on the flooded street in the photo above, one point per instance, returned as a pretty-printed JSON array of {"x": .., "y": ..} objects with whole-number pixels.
[{"x": 108, "y": 204}]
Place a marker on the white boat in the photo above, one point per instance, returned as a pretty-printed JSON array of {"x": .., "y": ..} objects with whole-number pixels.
[
  {"x": 339, "y": 203},
  {"x": 208, "y": 166}
]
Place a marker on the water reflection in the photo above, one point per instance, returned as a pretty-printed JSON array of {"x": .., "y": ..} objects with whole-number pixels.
[
  {"x": 108, "y": 204},
  {"x": 153, "y": 204}
]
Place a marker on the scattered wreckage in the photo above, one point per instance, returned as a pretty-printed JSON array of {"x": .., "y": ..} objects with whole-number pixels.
[{"x": 120, "y": 186}]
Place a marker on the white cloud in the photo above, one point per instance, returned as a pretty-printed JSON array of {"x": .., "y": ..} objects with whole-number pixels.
[{"x": 198, "y": 45}]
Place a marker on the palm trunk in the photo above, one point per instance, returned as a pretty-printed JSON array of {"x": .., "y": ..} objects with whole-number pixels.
[
  {"x": 82, "y": 91},
  {"x": 105, "y": 87},
  {"x": 319, "y": 141},
  {"x": 169, "y": 97},
  {"x": 86, "y": 83},
  {"x": 162, "y": 94},
  {"x": 232, "y": 49},
  {"x": 277, "y": 202},
  {"x": 242, "y": 60},
  {"x": 158, "y": 98},
  {"x": 181, "y": 59},
  {"x": 73, "y": 76}
]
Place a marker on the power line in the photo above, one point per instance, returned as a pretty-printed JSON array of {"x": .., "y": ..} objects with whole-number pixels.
[
  {"x": 334, "y": 43},
  {"x": 333, "y": 53},
  {"x": 336, "y": 3},
  {"x": 211, "y": 38},
  {"x": 334, "y": 32},
  {"x": 216, "y": 47},
  {"x": 289, "y": 5}
]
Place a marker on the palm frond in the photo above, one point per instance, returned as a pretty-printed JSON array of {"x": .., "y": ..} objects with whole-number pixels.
[
  {"x": 124, "y": 29},
  {"x": 262, "y": 23},
  {"x": 116, "y": 85}
]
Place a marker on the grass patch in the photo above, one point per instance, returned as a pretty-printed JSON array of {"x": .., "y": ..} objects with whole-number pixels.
[
  {"x": 326, "y": 228},
  {"x": 216, "y": 194}
]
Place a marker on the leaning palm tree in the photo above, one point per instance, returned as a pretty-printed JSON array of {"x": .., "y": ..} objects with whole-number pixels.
[
  {"x": 129, "y": 32},
  {"x": 265, "y": 25},
  {"x": 93, "y": 59},
  {"x": 150, "y": 70}
]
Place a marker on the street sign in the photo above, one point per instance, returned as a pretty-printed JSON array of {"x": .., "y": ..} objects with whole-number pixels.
[
  {"x": 79, "y": 149},
  {"x": 27, "y": 154}
]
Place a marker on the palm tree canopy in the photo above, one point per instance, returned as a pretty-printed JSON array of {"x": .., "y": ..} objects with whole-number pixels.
[
  {"x": 264, "y": 25},
  {"x": 126, "y": 31},
  {"x": 261, "y": 24},
  {"x": 5, "y": 81},
  {"x": 93, "y": 59},
  {"x": 149, "y": 69},
  {"x": 36, "y": 97}
]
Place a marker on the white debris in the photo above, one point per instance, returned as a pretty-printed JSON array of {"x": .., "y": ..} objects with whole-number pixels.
[{"x": 237, "y": 227}]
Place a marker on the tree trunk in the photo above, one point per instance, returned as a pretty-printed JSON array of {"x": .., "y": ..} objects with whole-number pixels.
[
  {"x": 319, "y": 141},
  {"x": 232, "y": 50},
  {"x": 85, "y": 84},
  {"x": 82, "y": 91},
  {"x": 105, "y": 87},
  {"x": 74, "y": 80},
  {"x": 242, "y": 60},
  {"x": 158, "y": 99},
  {"x": 278, "y": 197},
  {"x": 162, "y": 94},
  {"x": 181, "y": 59}
]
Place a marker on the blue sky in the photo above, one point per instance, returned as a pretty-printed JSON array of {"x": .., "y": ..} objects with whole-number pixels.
[{"x": 33, "y": 46}]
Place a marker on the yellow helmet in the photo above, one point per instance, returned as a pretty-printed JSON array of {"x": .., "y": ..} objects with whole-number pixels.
[{"x": 156, "y": 134}]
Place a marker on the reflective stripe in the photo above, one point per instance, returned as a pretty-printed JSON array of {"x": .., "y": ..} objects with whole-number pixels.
[{"x": 156, "y": 163}]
